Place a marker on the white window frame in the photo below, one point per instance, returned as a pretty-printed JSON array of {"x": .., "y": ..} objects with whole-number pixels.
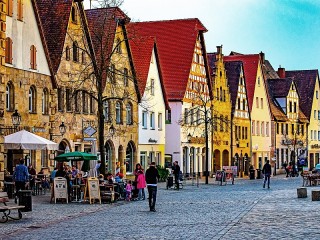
[
  {"x": 152, "y": 120},
  {"x": 144, "y": 119}
]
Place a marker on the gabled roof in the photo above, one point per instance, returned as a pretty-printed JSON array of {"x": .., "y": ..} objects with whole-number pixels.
[
  {"x": 176, "y": 41},
  {"x": 305, "y": 81},
  {"x": 141, "y": 52},
  {"x": 233, "y": 71},
  {"x": 102, "y": 24},
  {"x": 250, "y": 67},
  {"x": 54, "y": 17},
  {"x": 212, "y": 58}
]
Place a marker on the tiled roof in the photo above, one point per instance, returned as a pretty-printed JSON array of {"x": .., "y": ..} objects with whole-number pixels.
[
  {"x": 233, "y": 70},
  {"x": 250, "y": 66},
  {"x": 268, "y": 71},
  {"x": 176, "y": 41},
  {"x": 102, "y": 24},
  {"x": 54, "y": 16},
  {"x": 280, "y": 87},
  {"x": 141, "y": 52},
  {"x": 305, "y": 81}
]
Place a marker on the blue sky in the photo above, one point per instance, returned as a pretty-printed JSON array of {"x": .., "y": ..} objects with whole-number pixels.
[{"x": 287, "y": 31}]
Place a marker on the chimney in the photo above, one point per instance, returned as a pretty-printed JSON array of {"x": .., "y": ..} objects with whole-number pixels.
[
  {"x": 281, "y": 72},
  {"x": 219, "y": 50},
  {"x": 262, "y": 57}
]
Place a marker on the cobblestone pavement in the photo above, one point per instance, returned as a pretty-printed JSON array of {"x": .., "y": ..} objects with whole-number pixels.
[{"x": 241, "y": 211}]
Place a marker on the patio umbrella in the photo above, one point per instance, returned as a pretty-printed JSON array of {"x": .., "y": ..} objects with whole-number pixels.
[
  {"x": 27, "y": 140},
  {"x": 75, "y": 156}
]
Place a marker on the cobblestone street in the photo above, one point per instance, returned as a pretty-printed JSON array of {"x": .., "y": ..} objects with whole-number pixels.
[{"x": 241, "y": 211}]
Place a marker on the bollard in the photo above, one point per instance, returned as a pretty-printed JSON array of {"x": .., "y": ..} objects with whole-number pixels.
[
  {"x": 315, "y": 194},
  {"x": 302, "y": 192}
]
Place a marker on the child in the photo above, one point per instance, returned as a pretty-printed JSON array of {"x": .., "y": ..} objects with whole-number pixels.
[{"x": 128, "y": 190}]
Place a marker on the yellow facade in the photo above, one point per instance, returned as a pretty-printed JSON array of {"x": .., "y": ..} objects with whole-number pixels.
[
  {"x": 221, "y": 115},
  {"x": 261, "y": 123},
  {"x": 121, "y": 148}
]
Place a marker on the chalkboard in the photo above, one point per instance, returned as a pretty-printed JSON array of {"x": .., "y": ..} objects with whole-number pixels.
[
  {"x": 93, "y": 189},
  {"x": 60, "y": 188}
]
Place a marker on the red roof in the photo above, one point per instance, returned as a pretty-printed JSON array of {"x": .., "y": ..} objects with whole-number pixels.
[
  {"x": 54, "y": 17},
  {"x": 250, "y": 65},
  {"x": 176, "y": 41}
]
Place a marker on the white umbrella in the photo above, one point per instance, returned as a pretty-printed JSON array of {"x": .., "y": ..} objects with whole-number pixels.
[{"x": 27, "y": 140}]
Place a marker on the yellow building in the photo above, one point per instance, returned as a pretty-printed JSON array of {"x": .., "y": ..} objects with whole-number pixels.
[
  {"x": 240, "y": 120},
  {"x": 221, "y": 111},
  {"x": 120, "y": 92}
]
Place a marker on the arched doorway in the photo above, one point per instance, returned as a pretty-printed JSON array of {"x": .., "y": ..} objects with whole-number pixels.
[
  {"x": 246, "y": 164},
  {"x": 130, "y": 154},
  {"x": 110, "y": 158},
  {"x": 121, "y": 161},
  {"x": 216, "y": 160},
  {"x": 225, "y": 158},
  {"x": 236, "y": 162}
]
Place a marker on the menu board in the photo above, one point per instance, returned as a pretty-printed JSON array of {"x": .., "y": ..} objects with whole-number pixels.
[
  {"x": 93, "y": 189},
  {"x": 60, "y": 188}
]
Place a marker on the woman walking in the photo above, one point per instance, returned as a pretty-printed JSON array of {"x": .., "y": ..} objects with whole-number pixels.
[{"x": 141, "y": 181}]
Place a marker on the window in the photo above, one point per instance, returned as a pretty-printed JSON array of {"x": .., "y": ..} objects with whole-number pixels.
[
  {"x": 215, "y": 122},
  {"x": 75, "y": 52},
  {"x": 287, "y": 128},
  {"x": 152, "y": 122},
  {"x": 125, "y": 77},
  {"x": 68, "y": 100},
  {"x": 8, "y": 50},
  {"x": 290, "y": 106},
  {"x": 259, "y": 81},
  {"x": 186, "y": 116},
  {"x": 10, "y": 8},
  {"x": 76, "y": 102},
  {"x": 302, "y": 129},
  {"x": 244, "y": 104},
  {"x": 33, "y": 57},
  {"x": 9, "y": 97},
  {"x": 92, "y": 105},
  {"x": 311, "y": 134},
  {"x": 282, "y": 130},
  {"x": 262, "y": 129},
  {"x": 112, "y": 73},
  {"x": 61, "y": 99},
  {"x": 118, "y": 46},
  {"x": 318, "y": 115},
  {"x": 318, "y": 135},
  {"x": 221, "y": 123},
  {"x": 315, "y": 114},
  {"x": 67, "y": 53},
  {"x": 168, "y": 116},
  {"x": 198, "y": 116},
  {"x": 85, "y": 102},
  {"x": 314, "y": 135},
  {"x": 292, "y": 128},
  {"x": 152, "y": 87},
  {"x": 45, "y": 101},
  {"x": 44, "y": 158},
  {"x": 239, "y": 103},
  {"x": 261, "y": 103},
  {"x": 129, "y": 113},
  {"x": 106, "y": 111},
  {"x": 258, "y": 128},
  {"x": 20, "y": 10},
  {"x": 317, "y": 94},
  {"x": 294, "y": 107},
  {"x": 257, "y": 102},
  {"x": 159, "y": 121},
  {"x": 118, "y": 113},
  {"x": 267, "y": 129},
  {"x": 226, "y": 123},
  {"x": 32, "y": 99},
  {"x": 253, "y": 128},
  {"x": 192, "y": 116},
  {"x": 73, "y": 14},
  {"x": 144, "y": 120}
]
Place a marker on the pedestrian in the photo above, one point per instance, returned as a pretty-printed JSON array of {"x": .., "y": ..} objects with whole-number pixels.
[
  {"x": 141, "y": 184},
  {"x": 32, "y": 176},
  {"x": 176, "y": 173},
  {"x": 20, "y": 177},
  {"x": 152, "y": 176},
  {"x": 285, "y": 166},
  {"x": 128, "y": 190},
  {"x": 266, "y": 170}
]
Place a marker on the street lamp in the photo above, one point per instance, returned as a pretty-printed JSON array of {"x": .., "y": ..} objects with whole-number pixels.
[
  {"x": 16, "y": 120},
  {"x": 62, "y": 130}
]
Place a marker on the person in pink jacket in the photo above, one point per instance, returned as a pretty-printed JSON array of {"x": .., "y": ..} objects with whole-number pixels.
[{"x": 141, "y": 184}]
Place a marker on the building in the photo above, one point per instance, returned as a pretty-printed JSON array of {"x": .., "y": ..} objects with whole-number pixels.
[
  {"x": 154, "y": 104},
  {"x": 221, "y": 114},
  {"x": 115, "y": 73},
  {"x": 240, "y": 134},
  {"x": 185, "y": 75}
]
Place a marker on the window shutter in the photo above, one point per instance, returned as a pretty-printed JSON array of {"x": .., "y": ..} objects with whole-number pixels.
[{"x": 31, "y": 58}]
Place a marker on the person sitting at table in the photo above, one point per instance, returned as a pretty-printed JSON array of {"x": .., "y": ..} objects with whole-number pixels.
[
  {"x": 74, "y": 171},
  {"x": 109, "y": 178},
  {"x": 42, "y": 178},
  {"x": 32, "y": 174}
]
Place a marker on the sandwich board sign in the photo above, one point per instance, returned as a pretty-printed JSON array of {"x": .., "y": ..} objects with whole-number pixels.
[{"x": 60, "y": 188}]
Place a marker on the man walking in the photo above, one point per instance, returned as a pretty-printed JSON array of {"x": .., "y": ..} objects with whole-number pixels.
[
  {"x": 152, "y": 176},
  {"x": 20, "y": 177},
  {"x": 266, "y": 170},
  {"x": 176, "y": 173}
]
